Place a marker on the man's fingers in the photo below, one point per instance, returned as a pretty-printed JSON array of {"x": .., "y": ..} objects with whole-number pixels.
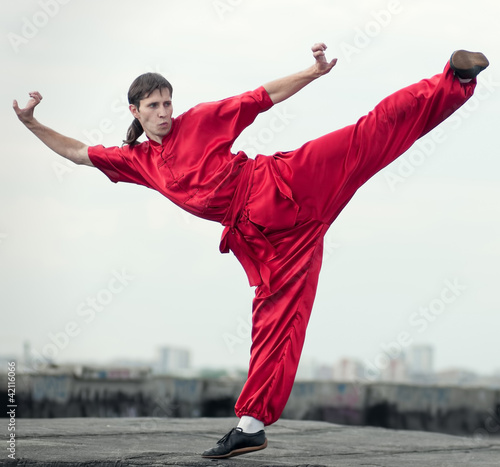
[
  {"x": 35, "y": 98},
  {"x": 36, "y": 95},
  {"x": 16, "y": 108},
  {"x": 320, "y": 56},
  {"x": 319, "y": 46}
]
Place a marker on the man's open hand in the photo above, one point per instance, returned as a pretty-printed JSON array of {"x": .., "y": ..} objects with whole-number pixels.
[
  {"x": 26, "y": 114},
  {"x": 322, "y": 65}
]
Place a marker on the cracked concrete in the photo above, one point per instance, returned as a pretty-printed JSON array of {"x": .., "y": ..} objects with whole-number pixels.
[{"x": 123, "y": 442}]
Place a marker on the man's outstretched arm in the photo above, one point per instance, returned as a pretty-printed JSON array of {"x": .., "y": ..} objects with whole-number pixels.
[
  {"x": 283, "y": 88},
  {"x": 69, "y": 148}
]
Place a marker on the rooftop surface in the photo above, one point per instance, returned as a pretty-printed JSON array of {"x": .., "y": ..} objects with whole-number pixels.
[{"x": 163, "y": 441}]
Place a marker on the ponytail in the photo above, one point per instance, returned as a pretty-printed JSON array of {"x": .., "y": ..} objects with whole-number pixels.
[{"x": 133, "y": 133}]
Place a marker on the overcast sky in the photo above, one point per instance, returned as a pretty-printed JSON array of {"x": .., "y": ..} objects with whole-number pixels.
[{"x": 121, "y": 271}]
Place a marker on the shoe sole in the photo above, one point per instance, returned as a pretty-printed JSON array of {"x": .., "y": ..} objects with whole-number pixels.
[
  {"x": 469, "y": 62},
  {"x": 239, "y": 452}
]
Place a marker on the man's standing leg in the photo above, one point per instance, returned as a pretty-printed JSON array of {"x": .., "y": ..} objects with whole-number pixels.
[{"x": 280, "y": 317}]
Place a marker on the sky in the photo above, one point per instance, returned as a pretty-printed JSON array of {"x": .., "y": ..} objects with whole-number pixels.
[{"x": 96, "y": 271}]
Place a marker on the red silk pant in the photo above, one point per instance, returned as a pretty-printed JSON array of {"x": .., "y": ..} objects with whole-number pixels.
[{"x": 323, "y": 176}]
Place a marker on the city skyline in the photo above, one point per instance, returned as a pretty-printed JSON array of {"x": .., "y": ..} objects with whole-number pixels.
[{"x": 414, "y": 365}]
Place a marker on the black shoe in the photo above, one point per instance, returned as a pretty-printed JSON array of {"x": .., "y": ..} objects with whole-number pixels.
[
  {"x": 236, "y": 443},
  {"x": 468, "y": 65}
]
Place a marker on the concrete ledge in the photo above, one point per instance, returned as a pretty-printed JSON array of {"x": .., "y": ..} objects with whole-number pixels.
[{"x": 169, "y": 441}]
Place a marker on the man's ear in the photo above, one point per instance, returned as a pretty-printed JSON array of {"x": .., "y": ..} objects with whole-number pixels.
[{"x": 134, "y": 110}]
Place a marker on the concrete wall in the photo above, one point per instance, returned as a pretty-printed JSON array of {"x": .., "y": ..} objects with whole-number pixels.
[
  {"x": 455, "y": 410},
  {"x": 328, "y": 401}
]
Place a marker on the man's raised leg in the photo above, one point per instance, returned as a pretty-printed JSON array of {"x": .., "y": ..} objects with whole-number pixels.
[{"x": 325, "y": 173}]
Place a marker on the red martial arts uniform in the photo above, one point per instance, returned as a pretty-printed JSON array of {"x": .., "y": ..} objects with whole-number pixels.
[{"x": 276, "y": 209}]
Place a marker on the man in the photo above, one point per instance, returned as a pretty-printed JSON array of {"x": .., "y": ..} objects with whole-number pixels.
[{"x": 275, "y": 209}]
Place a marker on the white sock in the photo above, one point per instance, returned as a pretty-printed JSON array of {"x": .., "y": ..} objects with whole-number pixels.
[{"x": 250, "y": 424}]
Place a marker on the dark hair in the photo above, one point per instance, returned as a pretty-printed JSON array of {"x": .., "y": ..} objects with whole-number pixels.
[{"x": 141, "y": 88}]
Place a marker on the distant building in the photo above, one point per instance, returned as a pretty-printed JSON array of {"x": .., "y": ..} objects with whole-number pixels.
[
  {"x": 396, "y": 371},
  {"x": 110, "y": 373},
  {"x": 348, "y": 369},
  {"x": 308, "y": 368},
  {"x": 457, "y": 377},
  {"x": 27, "y": 355},
  {"x": 420, "y": 363},
  {"x": 325, "y": 373},
  {"x": 173, "y": 361},
  {"x": 6, "y": 359}
]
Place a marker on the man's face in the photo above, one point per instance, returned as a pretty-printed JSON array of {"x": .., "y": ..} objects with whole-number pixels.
[{"x": 155, "y": 114}]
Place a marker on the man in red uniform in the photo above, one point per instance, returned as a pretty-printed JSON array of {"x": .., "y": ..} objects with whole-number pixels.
[{"x": 275, "y": 209}]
